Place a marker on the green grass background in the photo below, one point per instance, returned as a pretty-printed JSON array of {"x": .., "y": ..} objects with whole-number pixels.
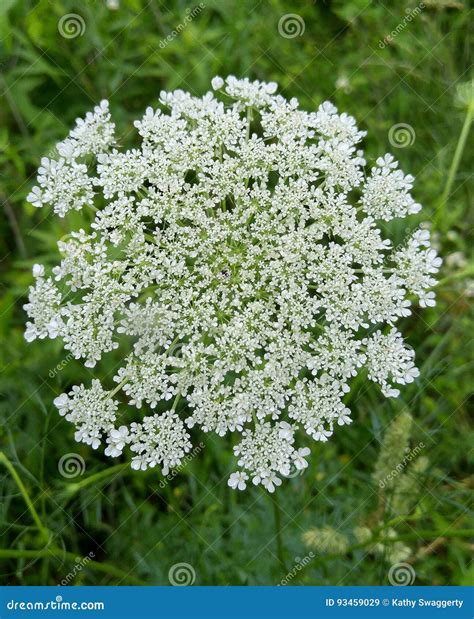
[{"x": 134, "y": 529}]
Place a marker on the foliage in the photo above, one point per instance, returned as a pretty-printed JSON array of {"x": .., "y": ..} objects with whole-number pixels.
[{"x": 137, "y": 525}]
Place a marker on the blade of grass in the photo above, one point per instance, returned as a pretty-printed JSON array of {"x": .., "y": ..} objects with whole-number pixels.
[
  {"x": 58, "y": 553},
  {"x": 44, "y": 532}
]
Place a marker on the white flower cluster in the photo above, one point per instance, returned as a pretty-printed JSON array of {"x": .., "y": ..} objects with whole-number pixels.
[{"x": 238, "y": 258}]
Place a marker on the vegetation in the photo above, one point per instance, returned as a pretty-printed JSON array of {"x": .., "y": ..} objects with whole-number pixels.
[{"x": 387, "y": 64}]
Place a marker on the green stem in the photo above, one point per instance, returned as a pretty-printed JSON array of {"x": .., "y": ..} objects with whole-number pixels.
[
  {"x": 278, "y": 536},
  {"x": 458, "y": 275},
  {"x": 29, "y": 503},
  {"x": 101, "y": 476},
  {"x": 117, "y": 388},
  {"x": 249, "y": 121},
  {"x": 175, "y": 341},
  {"x": 458, "y": 154},
  {"x": 58, "y": 553}
]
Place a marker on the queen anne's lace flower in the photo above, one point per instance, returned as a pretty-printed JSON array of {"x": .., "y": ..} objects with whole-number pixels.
[
  {"x": 92, "y": 411},
  {"x": 241, "y": 250},
  {"x": 92, "y": 135},
  {"x": 386, "y": 192},
  {"x": 161, "y": 439},
  {"x": 64, "y": 184}
]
